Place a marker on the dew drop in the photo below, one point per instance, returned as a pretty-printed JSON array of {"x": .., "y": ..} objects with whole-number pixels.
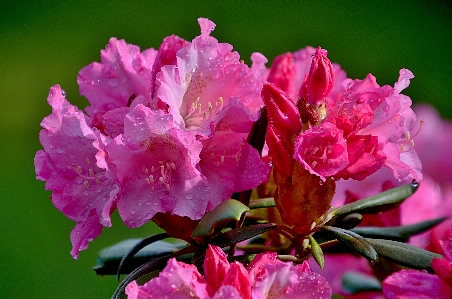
[
  {"x": 189, "y": 196},
  {"x": 113, "y": 82},
  {"x": 59, "y": 150}
]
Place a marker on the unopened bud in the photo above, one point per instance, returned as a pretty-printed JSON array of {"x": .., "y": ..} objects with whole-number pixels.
[
  {"x": 280, "y": 150},
  {"x": 282, "y": 112},
  {"x": 320, "y": 80}
]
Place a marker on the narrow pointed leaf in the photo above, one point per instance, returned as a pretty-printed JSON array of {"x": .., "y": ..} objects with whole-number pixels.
[
  {"x": 109, "y": 258},
  {"x": 317, "y": 252},
  {"x": 397, "y": 233},
  {"x": 379, "y": 203},
  {"x": 353, "y": 241},
  {"x": 229, "y": 210},
  {"x": 240, "y": 234},
  {"x": 403, "y": 254},
  {"x": 135, "y": 249},
  {"x": 354, "y": 282},
  {"x": 147, "y": 268},
  {"x": 268, "y": 202}
]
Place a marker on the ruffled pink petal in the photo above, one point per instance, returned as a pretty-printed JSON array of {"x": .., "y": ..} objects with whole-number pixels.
[
  {"x": 85, "y": 232},
  {"x": 207, "y": 74},
  {"x": 227, "y": 292},
  {"x": 228, "y": 162},
  {"x": 79, "y": 187},
  {"x": 407, "y": 284},
  {"x": 166, "y": 55},
  {"x": 123, "y": 74},
  {"x": 155, "y": 167},
  {"x": 176, "y": 281},
  {"x": 284, "y": 281}
]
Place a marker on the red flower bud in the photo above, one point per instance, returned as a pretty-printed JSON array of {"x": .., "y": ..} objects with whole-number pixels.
[
  {"x": 238, "y": 278},
  {"x": 280, "y": 150},
  {"x": 320, "y": 80},
  {"x": 282, "y": 112}
]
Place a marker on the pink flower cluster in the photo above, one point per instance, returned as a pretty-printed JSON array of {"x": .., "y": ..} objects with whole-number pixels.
[
  {"x": 351, "y": 128},
  {"x": 264, "y": 277},
  {"x": 165, "y": 131}
]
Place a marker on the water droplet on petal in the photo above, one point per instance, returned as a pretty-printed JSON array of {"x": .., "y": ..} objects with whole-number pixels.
[{"x": 113, "y": 82}]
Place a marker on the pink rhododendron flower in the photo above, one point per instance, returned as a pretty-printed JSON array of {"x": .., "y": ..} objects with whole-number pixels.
[
  {"x": 377, "y": 122},
  {"x": 155, "y": 165},
  {"x": 265, "y": 277},
  {"x": 166, "y": 132},
  {"x": 80, "y": 189}
]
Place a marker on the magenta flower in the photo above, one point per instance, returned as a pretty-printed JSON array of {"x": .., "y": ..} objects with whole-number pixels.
[
  {"x": 166, "y": 132},
  {"x": 265, "y": 277},
  {"x": 80, "y": 189},
  {"x": 155, "y": 165},
  {"x": 364, "y": 109}
]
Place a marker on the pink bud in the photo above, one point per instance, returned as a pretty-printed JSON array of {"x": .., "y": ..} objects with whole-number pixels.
[
  {"x": 282, "y": 112},
  {"x": 280, "y": 150},
  {"x": 282, "y": 72},
  {"x": 320, "y": 80},
  {"x": 216, "y": 266},
  {"x": 238, "y": 278}
]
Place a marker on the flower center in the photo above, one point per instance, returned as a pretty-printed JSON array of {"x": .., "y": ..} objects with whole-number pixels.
[
  {"x": 198, "y": 113},
  {"x": 160, "y": 175}
]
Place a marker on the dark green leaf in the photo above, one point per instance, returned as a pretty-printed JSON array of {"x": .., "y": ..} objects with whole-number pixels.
[
  {"x": 240, "y": 234},
  {"x": 349, "y": 221},
  {"x": 268, "y": 202},
  {"x": 354, "y": 241},
  {"x": 228, "y": 210},
  {"x": 317, "y": 252},
  {"x": 337, "y": 296},
  {"x": 397, "y": 233},
  {"x": 135, "y": 249},
  {"x": 354, "y": 282},
  {"x": 379, "y": 203},
  {"x": 403, "y": 254},
  {"x": 110, "y": 257}
]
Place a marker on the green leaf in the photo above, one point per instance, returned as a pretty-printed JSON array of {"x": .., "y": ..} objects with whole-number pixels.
[
  {"x": 379, "y": 203},
  {"x": 240, "y": 234},
  {"x": 268, "y": 202},
  {"x": 317, "y": 252},
  {"x": 354, "y": 282},
  {"x": 135, "y": 249},
  {"x": 403, "y": 254},
  {"x": 397, "y": 233},
  {"x": 109, "y": 258},
  {"x": 353, "y": 241},
  {"x": 230, "y": 209}
]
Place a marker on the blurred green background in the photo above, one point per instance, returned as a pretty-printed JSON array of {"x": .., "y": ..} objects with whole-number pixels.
[{"x": 43, "y": 43}]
